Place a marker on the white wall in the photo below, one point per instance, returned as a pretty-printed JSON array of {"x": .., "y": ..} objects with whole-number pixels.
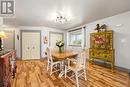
[
  {"x": 45, "y": 32},
  {"x": 5, "y": 27},
  {"x": 1, "y": 20},
  {"x": 121, "y": 26},
  {"x": 8, "y": 28}
]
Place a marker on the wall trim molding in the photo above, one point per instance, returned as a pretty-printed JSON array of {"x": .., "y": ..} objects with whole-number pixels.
[
  {"x": 123, "y": 69},
  {"x": 105, "y": 64}
]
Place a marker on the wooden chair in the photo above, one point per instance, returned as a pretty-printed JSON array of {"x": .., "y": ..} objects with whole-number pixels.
[
  {"x": 77, "y": 66},
  {"x": 52, "y": 64}
]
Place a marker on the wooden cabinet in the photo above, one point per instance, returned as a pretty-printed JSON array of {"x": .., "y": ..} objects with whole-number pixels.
[
  {"x": 101, "y": 47},
  {"x": 7, "y": 67}
]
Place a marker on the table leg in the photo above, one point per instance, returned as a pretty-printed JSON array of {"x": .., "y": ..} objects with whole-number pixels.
[{"x": 62, "y": 69}]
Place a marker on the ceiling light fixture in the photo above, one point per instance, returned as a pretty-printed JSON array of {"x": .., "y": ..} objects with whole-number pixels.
[{"x": 61, "y": 19}]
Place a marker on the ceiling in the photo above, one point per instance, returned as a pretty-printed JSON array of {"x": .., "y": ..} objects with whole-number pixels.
[{"x": 40, "y": 12}]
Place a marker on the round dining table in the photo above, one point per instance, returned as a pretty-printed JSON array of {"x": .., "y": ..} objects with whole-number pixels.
[{"x": 63, "y": 55}]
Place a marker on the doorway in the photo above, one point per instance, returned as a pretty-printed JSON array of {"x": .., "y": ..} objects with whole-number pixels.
[
  {"x": 9, "y": 42},
  {"x": 54, "y": 37},
  {"x": 30, "y": 44}
]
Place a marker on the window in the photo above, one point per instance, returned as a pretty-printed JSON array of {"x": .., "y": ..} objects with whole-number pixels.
[{"x": 75, "y": 37}]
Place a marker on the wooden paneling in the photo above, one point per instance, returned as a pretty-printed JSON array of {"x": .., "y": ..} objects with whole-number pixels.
[{"x": 34, "y": 74}]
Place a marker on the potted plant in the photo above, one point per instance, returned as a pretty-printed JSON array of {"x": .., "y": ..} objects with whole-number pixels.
[{"x": 60, "y": 44}]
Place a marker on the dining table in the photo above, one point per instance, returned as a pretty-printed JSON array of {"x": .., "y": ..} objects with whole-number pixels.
[{"x": 62, "y": 56}]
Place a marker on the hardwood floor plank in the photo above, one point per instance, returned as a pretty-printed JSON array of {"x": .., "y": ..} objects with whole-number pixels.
[
  {"x": 129, "y": 80},
  {"x": 33, "y": 73}
]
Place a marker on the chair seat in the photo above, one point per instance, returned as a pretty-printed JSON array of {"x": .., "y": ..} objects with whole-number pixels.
[
  {"x": 72, "y": 67},
  {"x": 54, "y": 60}
]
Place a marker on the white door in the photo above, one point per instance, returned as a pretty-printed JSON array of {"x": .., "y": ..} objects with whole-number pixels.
[
  {"x": 54, "y": 37},
  {"x": 30, "y": 45}
]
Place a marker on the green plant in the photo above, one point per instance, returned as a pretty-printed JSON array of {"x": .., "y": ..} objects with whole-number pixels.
[{"x": 60, "y": 44}]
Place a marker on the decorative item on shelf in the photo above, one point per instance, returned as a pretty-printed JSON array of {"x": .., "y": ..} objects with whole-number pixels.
[
  {"x": 60, "y": 44},
  {"x": 2, "y": 36},
  {"x": 101, "y": 28},
  {"x": 97, "y": 28},
  {"x": 98, "y": 40}
]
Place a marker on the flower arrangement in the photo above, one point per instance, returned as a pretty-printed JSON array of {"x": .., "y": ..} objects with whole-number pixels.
[
  {"x": 60, "y": 44},
  {"x": 99, "y": 41}
]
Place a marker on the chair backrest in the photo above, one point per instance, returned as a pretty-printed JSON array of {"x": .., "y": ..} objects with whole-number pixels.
[
  {"x": 81, "y": 59},
  {"x": 49, "y": 56},
  {"x": 87, "y": 53}
]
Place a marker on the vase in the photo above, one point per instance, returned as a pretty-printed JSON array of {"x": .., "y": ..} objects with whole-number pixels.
[{"x": 60, "y": 50}]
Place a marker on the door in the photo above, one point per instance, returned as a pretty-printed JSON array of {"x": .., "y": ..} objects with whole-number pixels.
[
  {"x": 54, "y": 37},
  {"x": 30, "y": 45}
]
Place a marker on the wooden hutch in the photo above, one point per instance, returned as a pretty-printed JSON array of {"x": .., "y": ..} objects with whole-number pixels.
[
  {"x": 7, "y": 67},
  {"x": 101, "y": 47}
]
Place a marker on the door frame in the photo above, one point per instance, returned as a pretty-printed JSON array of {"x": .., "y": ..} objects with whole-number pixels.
[{"x": 21, "y": 31}]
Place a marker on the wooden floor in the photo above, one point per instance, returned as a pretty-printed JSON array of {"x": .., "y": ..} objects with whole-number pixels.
[{"x": 34, "y": 74}]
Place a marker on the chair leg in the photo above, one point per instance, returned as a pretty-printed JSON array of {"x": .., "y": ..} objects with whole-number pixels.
[
  {"x": 65, "y": 71},
  {"x": 51, "y": 69},
  {"x": 48, "y": 66},
  {"x": 61, "y": 66},
  {"x": 77, "y": 81},
  {"x": 85, "y": 74}
]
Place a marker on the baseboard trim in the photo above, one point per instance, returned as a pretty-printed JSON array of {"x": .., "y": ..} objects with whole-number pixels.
[
  {"x": 122, "y": 69},
  {"x": 105, "y": 64},
  {"x": 43, "y": 58}
]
